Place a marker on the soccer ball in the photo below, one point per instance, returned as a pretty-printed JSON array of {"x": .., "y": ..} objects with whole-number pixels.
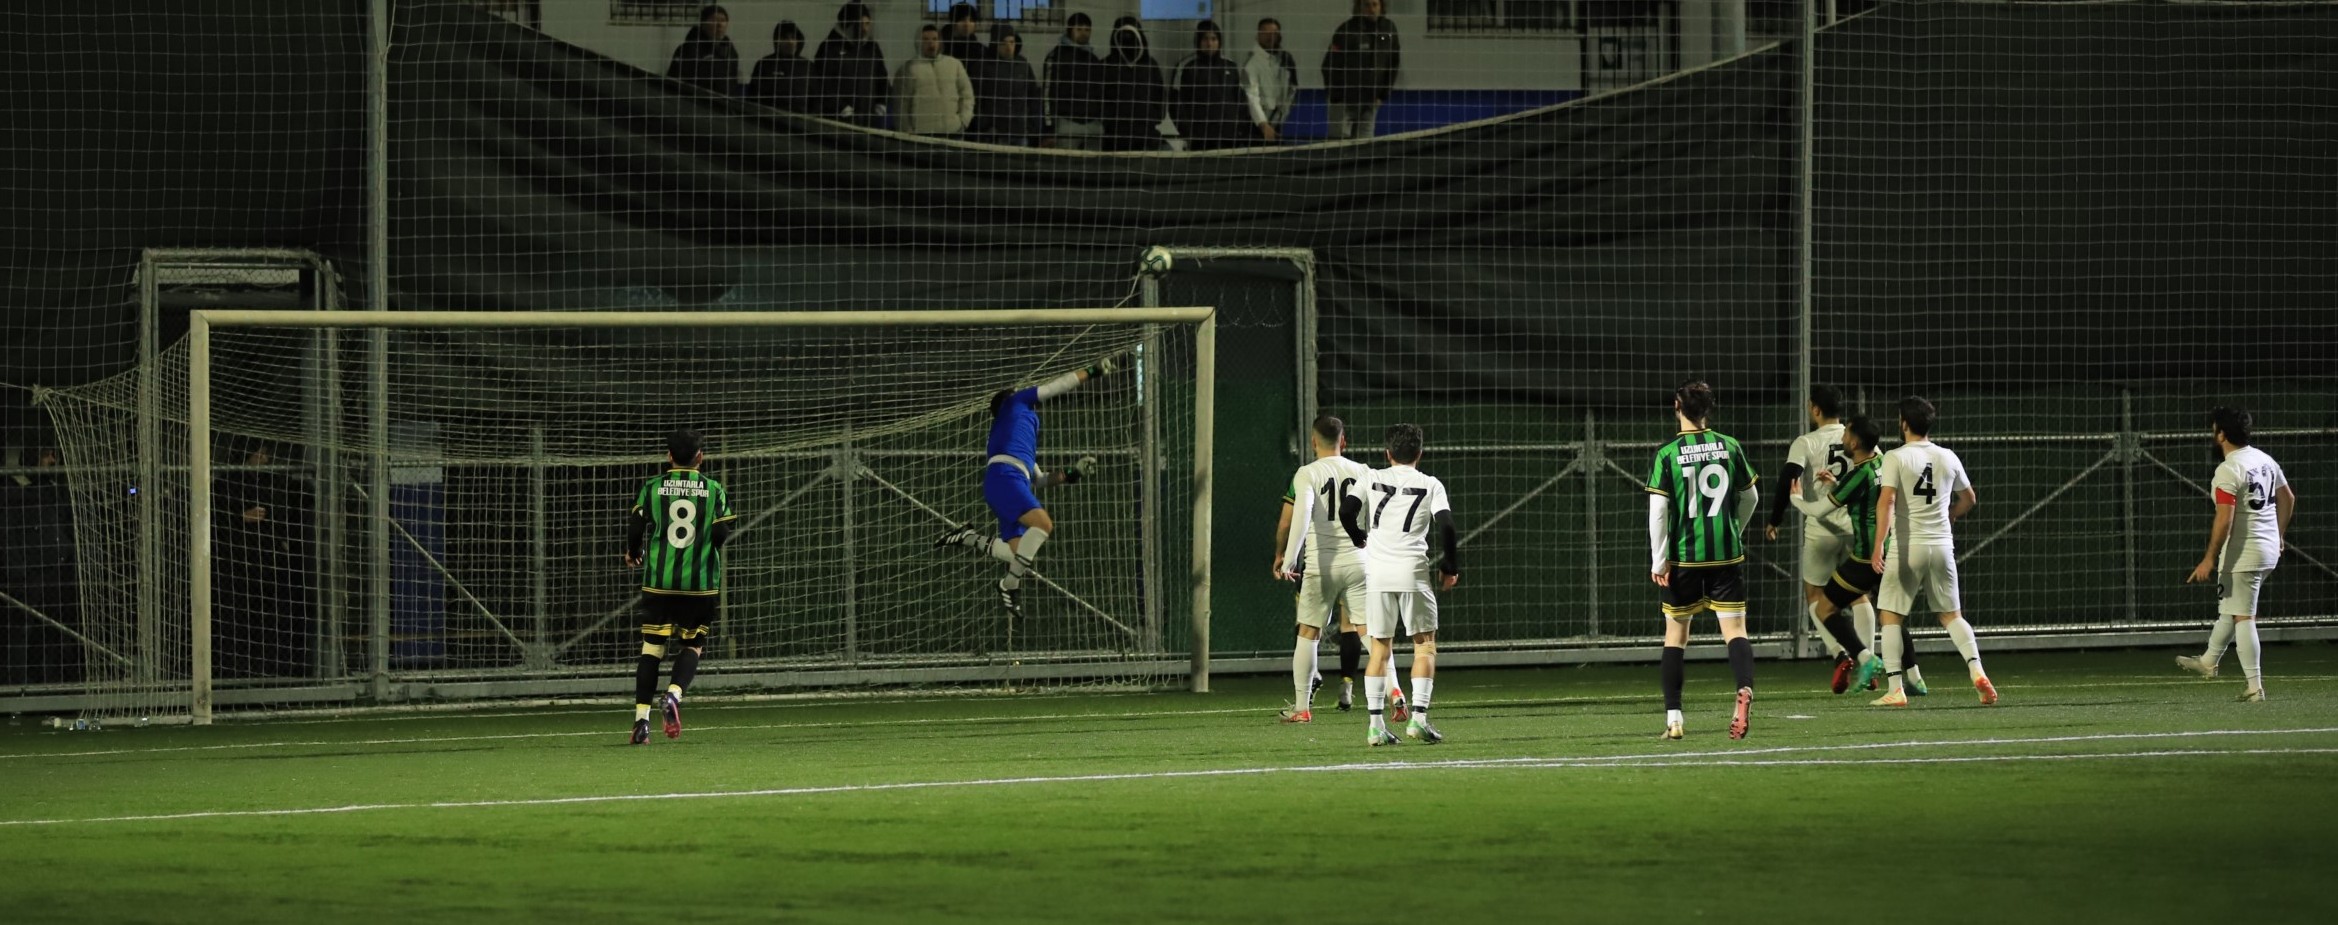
[{"x": 1157, "y": 261}]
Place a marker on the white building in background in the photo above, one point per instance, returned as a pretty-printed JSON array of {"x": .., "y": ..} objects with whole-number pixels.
[{"x": 1449, "y": 45}]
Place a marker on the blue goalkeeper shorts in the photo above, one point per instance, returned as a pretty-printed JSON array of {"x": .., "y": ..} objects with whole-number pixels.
[{"x": 1008, "y": 492}]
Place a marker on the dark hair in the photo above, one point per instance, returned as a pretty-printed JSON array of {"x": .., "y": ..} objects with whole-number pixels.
[
  {"x": 1863, "y": 427},
  {"x": 1828, "y": 401},
  {"x": 2233, "y": 422},
  {"x": 1077, "y": 20},
  {"x": 852, "y": 12},
  {"x": 1696, "y": 400},
  {"x": 929, "y": 27},
  {"x": 1002, "y": 31},
  {"x": 1918, "y": 414},
  {"x": 961, "y": 12},
  {"x": 786, "y": 29},
  {"x": 998, "y": 400},
  {"x": 1207, "y": 27},
  {"x": 1265, "y": 21},
  {"x": 683, "y": 445},
  {"x": 1404, "y": 443},
  {"x": 1330, "y": 429},
  {"x": 708, "y": 12}
]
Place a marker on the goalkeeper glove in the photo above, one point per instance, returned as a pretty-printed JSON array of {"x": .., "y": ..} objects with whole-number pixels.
[
  {"x": 1079, "y": 470},
  {"x": 1105, "y": 366}
]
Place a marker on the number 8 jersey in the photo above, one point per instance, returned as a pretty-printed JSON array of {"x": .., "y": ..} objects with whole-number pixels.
[
  {"x": 682, "y": 506},
  {"x": 1701, "y": 473}
]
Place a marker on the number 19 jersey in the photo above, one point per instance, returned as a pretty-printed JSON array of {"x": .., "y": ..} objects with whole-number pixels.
[
  {"x": 682, "y": 505},
  {"x": 1702, "y": 472}
]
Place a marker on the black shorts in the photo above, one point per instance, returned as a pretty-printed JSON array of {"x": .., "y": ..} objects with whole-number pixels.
[
  {"x": 1852, "y": 580},
  {"x": 1718, "y": 587},
  {"x": 689, "y": 617}
]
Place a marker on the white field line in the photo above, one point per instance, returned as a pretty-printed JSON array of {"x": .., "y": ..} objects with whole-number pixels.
[{"x": 1607, "y": 761}]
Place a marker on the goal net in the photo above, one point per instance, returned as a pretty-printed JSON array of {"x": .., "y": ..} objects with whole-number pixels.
[{"x": 372, "y": 508}]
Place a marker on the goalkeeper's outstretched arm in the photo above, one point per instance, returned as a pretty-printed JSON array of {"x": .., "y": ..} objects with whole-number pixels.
[{"x": 1071, "y": 380}]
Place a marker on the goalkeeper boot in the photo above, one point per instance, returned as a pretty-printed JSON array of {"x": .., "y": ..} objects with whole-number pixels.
[
  {"x": 1913, "y": 682},
  {"x": 1396, "y": 709},
  {"x": 1842, "y": 679},
  {"x": 640, "y": 731},
  {"x": 1011, "y": 598},
  {"x": 671, "y": 709},
  {"x": 2197, "y": 665},
  {"x": 1987, "y": 690},
  {"x": 1420, "y": 729},
  {"x": 956, "y": 536},
  {"x": 1380, "y": 737}
]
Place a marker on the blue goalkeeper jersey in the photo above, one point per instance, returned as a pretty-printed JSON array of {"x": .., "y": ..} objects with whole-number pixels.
[{"x": 1015, "y": 432}]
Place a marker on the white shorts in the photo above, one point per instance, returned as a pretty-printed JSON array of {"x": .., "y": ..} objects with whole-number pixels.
[
  {"x": 1919, "y": 579},
  {"x": 1320, "y": 595},
  {"x": 1414, "y": 612},
  {"x": 2236, "y": 592},
  {"x": 1822, "y": 553}
]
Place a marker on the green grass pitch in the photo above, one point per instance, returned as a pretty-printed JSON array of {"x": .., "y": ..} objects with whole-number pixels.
[{"x": 2106, "y": 788}]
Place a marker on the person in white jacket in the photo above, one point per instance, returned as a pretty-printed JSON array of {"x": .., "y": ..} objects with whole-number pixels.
[
  {"x": 1270, "y": 78},
  {"x": 931, "y": 93}
]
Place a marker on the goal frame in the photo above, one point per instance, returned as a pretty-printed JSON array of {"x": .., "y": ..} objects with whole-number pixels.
[{"x": 199, "y": 418}]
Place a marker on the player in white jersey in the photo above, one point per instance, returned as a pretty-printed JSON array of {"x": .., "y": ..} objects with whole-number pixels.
[
  {"x": 2253, "y": 506},
  {"x": 1389, "y": 515},
  {"x": 1824, "y": 536},
  {"x": 1329, "y": 569},
  {"x": 1924, "y": 490}
]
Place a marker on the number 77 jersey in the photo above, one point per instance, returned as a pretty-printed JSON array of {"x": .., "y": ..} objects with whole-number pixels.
[
  {"x": 1701, "y": 472},
  {"x": 1400, "y": 503}
]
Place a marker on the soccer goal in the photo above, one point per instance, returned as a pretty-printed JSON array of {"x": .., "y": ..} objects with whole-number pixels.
[{"x": 381, "y": 508}]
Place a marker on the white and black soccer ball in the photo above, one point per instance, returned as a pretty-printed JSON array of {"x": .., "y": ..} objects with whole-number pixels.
[{"x": 1157, "y": 261}]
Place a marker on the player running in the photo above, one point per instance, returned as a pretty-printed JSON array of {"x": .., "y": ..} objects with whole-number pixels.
[
  {"x": 1813, "y": 456},
  {"x": 1697, "y": 547},
  {"x": 689, "y": 516},
  {"x": 1853, "y": 581},
  {"x": 1011, "y": 478},
  {"x": 1329, "y": 569},
  {"x": 1924, "y": 490},
  {"x": 1389, "y": 515},
  {"x": 2245, "y": 542}
]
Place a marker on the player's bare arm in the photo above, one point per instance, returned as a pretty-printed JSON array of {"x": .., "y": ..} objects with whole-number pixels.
[
  {"x": 2284, "y": 504},
  {"x": 1883, "y": 522},
  {"x": 2217, "y": 532},
  {"x": 1966, "y": 500}
]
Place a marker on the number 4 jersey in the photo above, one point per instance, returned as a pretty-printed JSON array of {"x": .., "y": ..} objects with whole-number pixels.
[
  {"x": 1700, "y": 473},
  {"x": 2248, "y": 479},
  {"x": 681, "y": 507},
  {"x": 1926, "y": 477}
]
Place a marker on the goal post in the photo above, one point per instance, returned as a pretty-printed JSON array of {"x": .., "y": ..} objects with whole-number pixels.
[{"x": 913, "y": 384}]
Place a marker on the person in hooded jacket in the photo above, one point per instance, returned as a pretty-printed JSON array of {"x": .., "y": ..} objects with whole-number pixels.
[
  {"x": 707, "y": 59},
  {"x": 1359, "y": 70},
  {"x": 1135, "y": 100},
  {"x": 783, "y": 79},
  {"x": 851, "y": 69},
  {"x": 1073, "y": 81},
  {"x": 932, "y": 92},
  {"x": 1270, "y": 80},
  {"x": 1207, "y": 100},
  {"x": 1006, "y": 93}
]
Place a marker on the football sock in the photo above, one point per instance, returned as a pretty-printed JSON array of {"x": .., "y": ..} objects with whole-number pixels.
[
  {"x": 1672, "y": 718},
  {"x": 1027, "y": 548},
  {"x": 1895, "y": 654},
  {"x": 685, "y": 670},
  {"x": 1376, "y": 699},
  {"x": 2244, "y": 632},
  {"x": 1395, "y": 677},
  {"x": 640, "y": 712},
  {"x": 645, "y": 680},
  {"x": 1675, "y": 674},
  {"x": 1421, "y": 688},
  {"x": 1826, "y": 632},
  {"x": 2218, "y": 637},
  {"x": 1961, "y": 633},
  {"x": 1302, "y": 673},
  {"x": 1907, "y": 647},
  {"x": 1845, "y": 640},
  {"x": 1351, "y": 656},
  {"x": 997, "y": 547},
  {"x": 1741, "y": 661},
  {"x": 1863, "y": 620}
]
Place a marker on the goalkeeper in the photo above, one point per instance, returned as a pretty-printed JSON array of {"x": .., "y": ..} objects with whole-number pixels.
[{"x": 1011, "y": 478}]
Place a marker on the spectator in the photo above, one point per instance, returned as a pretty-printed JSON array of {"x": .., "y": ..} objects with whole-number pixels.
[
  {"x": 1074, "y": 87},
  {"x": 851, "y": 67},
  {"x": 960, "y": 40},
  {"x": 1270, "y": 81},
  {"x": 707, "y": 59},
  {"x": 783, "y": 79},
  {"x": 264, "y": 611},
  {"x": 1359, "y": 70},
  {"x": 1134, "y": 99},
  {"x": 931, "y": 91},
  {"x": 1006, "y": 93},
  {"x": 1208, "y": 103},
  {"x": 37, "y": 518}
]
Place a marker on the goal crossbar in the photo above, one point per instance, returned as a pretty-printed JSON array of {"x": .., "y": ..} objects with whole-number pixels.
[{"x": 199, "y": 418}]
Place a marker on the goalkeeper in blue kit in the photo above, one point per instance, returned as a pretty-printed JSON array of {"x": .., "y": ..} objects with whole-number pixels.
[{"x": 1011, "y": 479}]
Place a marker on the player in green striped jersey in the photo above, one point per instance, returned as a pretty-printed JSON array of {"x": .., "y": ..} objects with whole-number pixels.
[
  {"x": 1852, "y": 586},
  {"x": 1701, "y": 495},
  {"x": 675, "y": 537}
]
